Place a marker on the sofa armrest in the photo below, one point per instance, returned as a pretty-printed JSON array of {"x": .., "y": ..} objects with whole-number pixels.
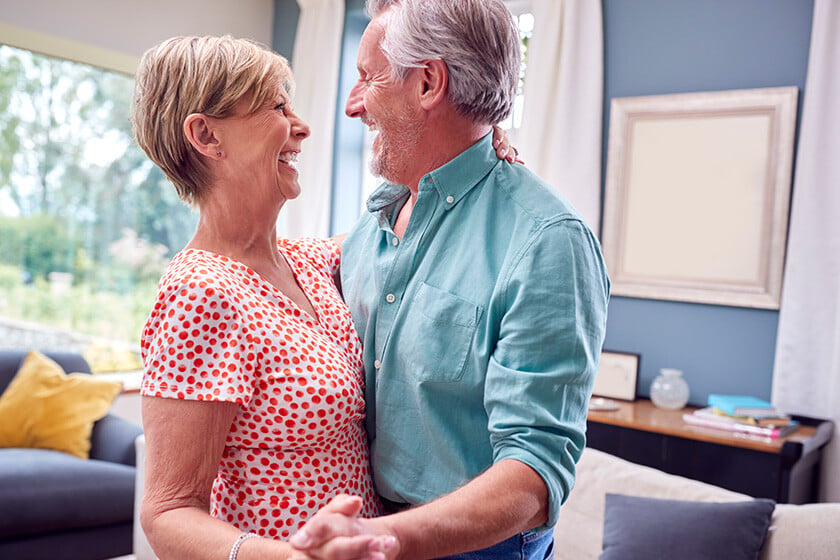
[
  {"x": 580, "y": 526},
  {"x": 803, "y": 531},
  {"x": 112, "y": 440}
]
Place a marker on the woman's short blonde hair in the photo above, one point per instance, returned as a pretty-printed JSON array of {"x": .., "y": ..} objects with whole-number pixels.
[{"x": 207, "y": 75}]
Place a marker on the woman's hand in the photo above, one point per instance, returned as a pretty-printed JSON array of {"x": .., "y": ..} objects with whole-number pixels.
[
  {"x": 503, "y": 148},
  {"x": 336, "y": 532}
]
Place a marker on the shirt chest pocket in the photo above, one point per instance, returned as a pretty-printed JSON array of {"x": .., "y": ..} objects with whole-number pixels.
[{"x": 440, "y": 329}]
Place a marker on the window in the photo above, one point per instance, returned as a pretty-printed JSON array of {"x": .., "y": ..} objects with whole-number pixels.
[
  {"x": 525, "y": 22},
  {"x": 87, "y": 222}
]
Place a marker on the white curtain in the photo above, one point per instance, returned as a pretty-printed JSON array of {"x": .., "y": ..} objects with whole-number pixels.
[
  {"x": 315, "y": 62},
  {"x": 806, "y": 378},
  {"x": 560, "y": 137}
]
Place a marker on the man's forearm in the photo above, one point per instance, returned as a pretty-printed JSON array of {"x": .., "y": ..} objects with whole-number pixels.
[{"x": 508, "y": 498}]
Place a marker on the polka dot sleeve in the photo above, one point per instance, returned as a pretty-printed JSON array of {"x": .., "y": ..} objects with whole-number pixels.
[
  {"x": 322, "y": 253},
  {"x": 195, "y": 343}
]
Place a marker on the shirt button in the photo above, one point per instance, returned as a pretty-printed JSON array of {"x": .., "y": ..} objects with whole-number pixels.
[
  {"x": 450, "y": 199},
  {"x": 377, "y": 364},
  {"x": 390, "y": 298},
  {"x": 395, "y": 241}
]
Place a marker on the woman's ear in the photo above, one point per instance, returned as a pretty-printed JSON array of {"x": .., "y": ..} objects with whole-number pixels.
[
  {"x": 435, "y": 82},
  {"x": 200, "y": 131}
]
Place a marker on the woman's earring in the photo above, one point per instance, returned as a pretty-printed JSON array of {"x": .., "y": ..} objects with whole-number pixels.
[{"x": 219, "y": 154}]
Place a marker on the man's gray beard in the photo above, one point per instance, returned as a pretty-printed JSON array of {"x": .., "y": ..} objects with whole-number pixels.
[
  {"x": 383, "y": 164},
  {"x": 377, "y": 167}
]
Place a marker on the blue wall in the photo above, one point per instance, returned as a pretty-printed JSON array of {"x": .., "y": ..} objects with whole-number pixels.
[
  {"x": 286, "y": 14},
  {"x": 651, "y": 47},
  {"x": 673, "y": 46}
]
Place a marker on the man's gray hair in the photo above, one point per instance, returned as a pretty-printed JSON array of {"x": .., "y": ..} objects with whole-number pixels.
[{"x": 476, "y": 39}]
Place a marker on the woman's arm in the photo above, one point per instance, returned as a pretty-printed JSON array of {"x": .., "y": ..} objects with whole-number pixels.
[
  {"x": 504, "y": 150},
  {"x": 339, "y": 240},
  {"x": 184, "y": 445}
]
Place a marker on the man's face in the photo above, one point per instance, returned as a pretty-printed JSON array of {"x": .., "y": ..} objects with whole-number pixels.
[{"x": 386, "y": 106}]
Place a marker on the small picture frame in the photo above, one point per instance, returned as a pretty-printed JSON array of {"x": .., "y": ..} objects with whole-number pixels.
[{"x": 617, "y": 377}]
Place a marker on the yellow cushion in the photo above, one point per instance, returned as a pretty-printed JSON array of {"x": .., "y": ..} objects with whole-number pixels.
[{"x": 45, "y": 408}]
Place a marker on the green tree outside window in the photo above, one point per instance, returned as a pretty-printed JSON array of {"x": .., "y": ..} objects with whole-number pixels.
[{"x": 87, "y": 222}]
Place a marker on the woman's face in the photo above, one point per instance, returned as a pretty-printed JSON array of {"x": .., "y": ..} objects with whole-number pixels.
[{"x": 263, "y": 146}]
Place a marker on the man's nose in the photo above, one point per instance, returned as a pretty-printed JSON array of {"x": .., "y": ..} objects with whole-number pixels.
[{"x": 355, "y": 102}]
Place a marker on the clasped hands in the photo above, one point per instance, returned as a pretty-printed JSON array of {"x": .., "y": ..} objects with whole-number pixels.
[{"x": 337, "y": 533}]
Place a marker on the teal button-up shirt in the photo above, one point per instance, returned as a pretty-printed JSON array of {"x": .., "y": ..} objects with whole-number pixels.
[{"x": 482, "y": 327}]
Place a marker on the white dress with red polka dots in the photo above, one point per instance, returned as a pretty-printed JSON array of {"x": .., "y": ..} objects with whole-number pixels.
[{"x": 218, "y": 331}]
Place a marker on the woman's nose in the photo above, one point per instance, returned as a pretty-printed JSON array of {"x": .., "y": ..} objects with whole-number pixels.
[{"x": 301, "y": 129}]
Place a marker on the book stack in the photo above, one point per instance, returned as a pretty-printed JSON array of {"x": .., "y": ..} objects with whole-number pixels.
[{"x": 742, "y": 414}]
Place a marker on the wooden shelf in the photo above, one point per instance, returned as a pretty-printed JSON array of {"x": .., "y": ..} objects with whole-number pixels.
[
  {"x": 643, "y": 415},
  {"x": 785, "y": 469}
]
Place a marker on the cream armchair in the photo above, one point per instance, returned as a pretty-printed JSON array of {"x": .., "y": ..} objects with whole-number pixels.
[{"x": 142, "y": 550}]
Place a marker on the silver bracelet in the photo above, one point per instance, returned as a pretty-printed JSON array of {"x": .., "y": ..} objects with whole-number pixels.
[{"x": 242, "y": 538}]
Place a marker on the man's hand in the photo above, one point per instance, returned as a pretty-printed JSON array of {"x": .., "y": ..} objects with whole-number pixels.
[{"x": 336, "y": 533}]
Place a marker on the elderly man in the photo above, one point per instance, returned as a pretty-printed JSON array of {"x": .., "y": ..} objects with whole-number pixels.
[{"x": 478, "y": 291}]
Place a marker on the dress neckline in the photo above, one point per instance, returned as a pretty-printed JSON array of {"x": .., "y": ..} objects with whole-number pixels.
[{"x": 291, "y": 262}]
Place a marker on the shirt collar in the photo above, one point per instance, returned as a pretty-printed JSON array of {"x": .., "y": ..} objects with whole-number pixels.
[
  {"x": 452, "y": 181},
  {"x": 456, "y": 178},
  {"x": 385, "y": 195}
]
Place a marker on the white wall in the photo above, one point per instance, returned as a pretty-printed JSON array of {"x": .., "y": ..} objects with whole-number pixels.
[
  {"x": 127, "y": 403},
  {"x": 114, "y": 33},
  {"x": 127, "y": 406}
]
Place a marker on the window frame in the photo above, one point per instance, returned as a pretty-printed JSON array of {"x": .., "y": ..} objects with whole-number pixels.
[
  {"x": 66, "y": 49},
  {"x": 104, "y": 354}
]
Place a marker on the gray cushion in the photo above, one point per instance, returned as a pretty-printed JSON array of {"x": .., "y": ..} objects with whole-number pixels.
[
  {"x": 637, "y": 528},
  {"x": 43, "y": 490},
  {"x": 11, "y": 360}
]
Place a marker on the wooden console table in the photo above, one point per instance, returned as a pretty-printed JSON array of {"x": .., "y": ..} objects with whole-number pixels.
[{"x": 783, "y": 469}]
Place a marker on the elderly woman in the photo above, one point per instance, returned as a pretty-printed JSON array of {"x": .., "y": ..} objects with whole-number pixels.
[
  {"x": 252, "y": 393},
  {"x": 253, "y": 388}
]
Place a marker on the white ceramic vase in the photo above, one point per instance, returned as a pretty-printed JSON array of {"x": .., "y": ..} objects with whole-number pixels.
[{"x": 669, "y": 389}]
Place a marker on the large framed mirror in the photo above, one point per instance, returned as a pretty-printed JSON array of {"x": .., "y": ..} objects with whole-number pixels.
[{"x": 697, "y": 195}]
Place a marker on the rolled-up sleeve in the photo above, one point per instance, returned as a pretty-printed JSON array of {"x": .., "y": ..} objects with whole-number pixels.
[{"x": 540, "y": 376}]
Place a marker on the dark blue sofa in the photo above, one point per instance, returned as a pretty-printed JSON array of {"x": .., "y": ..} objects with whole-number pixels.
[{"x": 56, "y": 506}]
